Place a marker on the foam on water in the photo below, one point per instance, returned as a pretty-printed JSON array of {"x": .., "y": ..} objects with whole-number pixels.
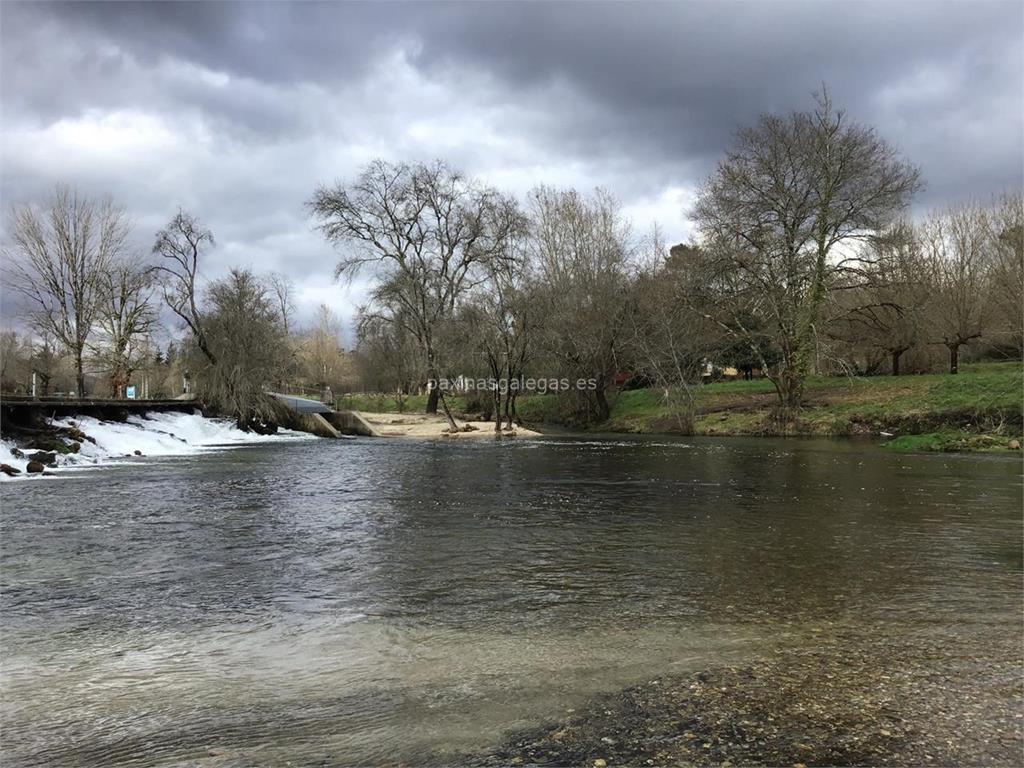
[{"x": 156, "y": 434}]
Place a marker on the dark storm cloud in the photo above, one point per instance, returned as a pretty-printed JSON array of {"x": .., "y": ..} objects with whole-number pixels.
[
  {"x": 238, "y": 110},
  {"x": 672, "y": 80}
]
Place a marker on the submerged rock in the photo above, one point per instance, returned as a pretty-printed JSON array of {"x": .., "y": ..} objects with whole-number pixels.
[{"x": 34, "y": 467}]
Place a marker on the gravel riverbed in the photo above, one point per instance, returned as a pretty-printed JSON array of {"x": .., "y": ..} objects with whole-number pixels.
[{"x": 844, "y": 699}]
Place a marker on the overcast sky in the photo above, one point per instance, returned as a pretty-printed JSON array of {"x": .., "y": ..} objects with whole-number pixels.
[{"x": 237, "y": 111}]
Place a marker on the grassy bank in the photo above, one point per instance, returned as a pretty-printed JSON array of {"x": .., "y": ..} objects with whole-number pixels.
[
  {"x": 381, "y": 403},
  {"x": 978, "y": 409}
]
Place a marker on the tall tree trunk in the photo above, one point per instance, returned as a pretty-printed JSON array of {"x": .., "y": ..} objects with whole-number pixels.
[
  {"x": 954, "y": 358},
  {"x": 789, "y": 386},
  {"x": 798, "y": 368},
  {"x": 79, "y": 374},
  {"x": 509, "y": 408},
  {"x": 432, "y": 399},
  {"x": 452, "y": 426},
  {"x": 792, "y": 390},
  {"x": 896, "y": 355},
  {"x": 603, "y": 410}
]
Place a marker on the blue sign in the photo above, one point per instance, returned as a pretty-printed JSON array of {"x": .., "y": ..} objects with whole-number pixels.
[{"x": 129, "y": 392}]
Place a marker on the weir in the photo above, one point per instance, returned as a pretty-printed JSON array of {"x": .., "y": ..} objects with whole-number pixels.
[
  {"x": 320, "y": 419},
  {"x": 315, "y": 417}
]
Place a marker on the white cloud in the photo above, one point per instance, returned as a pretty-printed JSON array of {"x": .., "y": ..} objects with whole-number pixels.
[{"x": 668, "y": 209}]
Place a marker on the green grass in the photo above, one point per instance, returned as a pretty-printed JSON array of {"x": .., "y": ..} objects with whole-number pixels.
[
  {"x": 541, "y": 409},
  {"x": 984, "y": 398},
  {"x": 953, "y": 440},
  {"x": 978, "y": 409},
  {"x": 387, "y": 403}
]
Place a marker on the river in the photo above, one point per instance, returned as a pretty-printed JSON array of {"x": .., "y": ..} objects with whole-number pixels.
[{"x": 378, "y": 601}]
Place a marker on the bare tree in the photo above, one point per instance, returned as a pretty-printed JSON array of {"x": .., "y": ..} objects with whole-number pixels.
[
  {"x": 582, "y": 248},
  {"x": 389, "y": 354},
  {"x": 181, "y": 243},
  {"x": 498, "y": 326},
  {"x": 321, "y": 350},
  {"x": 782, "y": 217},
  {"x": 956, "y": 246},
  {"x": 667, "y": 339},
  {"x": 59, "y": 262},
  {"x": 1006, "y": 266},
  {"x": 283, "y": 289},
  {"x": 126, "y": 319},
  {"x": 13, "y": 362},
  {"x": 428, "y": 230},
  {"x": 888, "y": 313},
  {"x": 45, "y": 361},
  {"x": 246, "y": 337}
]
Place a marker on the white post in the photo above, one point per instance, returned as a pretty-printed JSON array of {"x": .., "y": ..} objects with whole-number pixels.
[{"x": 33, "y": 384}]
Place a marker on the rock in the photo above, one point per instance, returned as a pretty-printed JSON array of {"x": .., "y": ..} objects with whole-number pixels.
[
  {"x": 75, "y": 434},
  {"x": 599, "y": 763},
  {"x": 34, "y": 467},
  {"x": 259, "y": 426},
  {"x": 48, "y": 458},
  {"x": 8, "y": 470},
  {"x": 75, "y": 447},
  {"x": 50, "y": 443},
  {"x": 17, "y": 453},
  {"x": 1015, "y": 445},
  {"x": 138, "y": 452}
]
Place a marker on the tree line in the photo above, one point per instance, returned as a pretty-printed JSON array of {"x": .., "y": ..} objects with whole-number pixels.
[
  {"x": 94, "y": 303},
  {"x": 804, "y": 261}
]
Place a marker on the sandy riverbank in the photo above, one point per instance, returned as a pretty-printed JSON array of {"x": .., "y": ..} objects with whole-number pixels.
[{"x": 424, "y": 426}]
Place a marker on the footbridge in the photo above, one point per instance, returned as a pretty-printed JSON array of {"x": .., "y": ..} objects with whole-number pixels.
[{"x": 24, "y": 410}]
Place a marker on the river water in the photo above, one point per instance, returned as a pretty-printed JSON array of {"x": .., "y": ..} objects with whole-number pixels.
[{"x": 377, "y": 601}]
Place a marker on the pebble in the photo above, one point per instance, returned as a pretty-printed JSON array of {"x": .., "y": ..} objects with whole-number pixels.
[{"x": 848, "y": 696}]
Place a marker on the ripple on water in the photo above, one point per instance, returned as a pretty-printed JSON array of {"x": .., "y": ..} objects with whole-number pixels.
[{"x": 361, "y": 601}]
